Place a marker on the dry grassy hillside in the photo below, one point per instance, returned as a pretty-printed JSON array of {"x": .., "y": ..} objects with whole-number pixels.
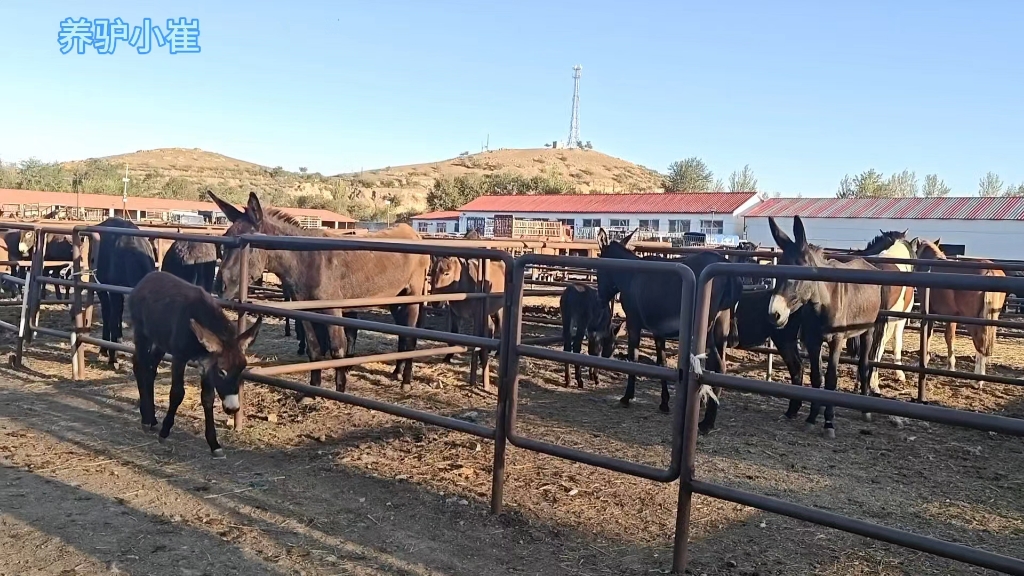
[
  {"x": 591, "y": 171},
  {"x": 193, "y": 170}
]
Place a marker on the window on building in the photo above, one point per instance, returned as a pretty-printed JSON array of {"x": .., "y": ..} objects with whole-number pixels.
[
  {"x": 619, "y": 223},
  {"x": 649, "y": 225},
  {"x": 712, "y": 226},
  {"x": 678, "y": 226},
  {"x": 421, "y": 226},
  {"x": 591, "y": 222},
  {"x": 441, "y": 227},
  {"x": 570, "y": 222}
]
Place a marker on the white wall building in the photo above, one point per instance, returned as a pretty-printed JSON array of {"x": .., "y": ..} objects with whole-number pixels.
[
  {"x": 662, "y": 215},
  {"x": 443, "y": 222},
  {"x": 970, "y": 226}
]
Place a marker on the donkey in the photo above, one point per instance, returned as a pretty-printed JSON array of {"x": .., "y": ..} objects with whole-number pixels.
[
  {"x": 451, "y": 275},
  {"x": 891, "y": 244},
  {"x": 192, "y": 261},
  {"x": 330, "y": 275},
  {"x": 971, "y": 303},
  {"x": 653, "y": 300},
  {"x": 119, "y": 260},
  {"x": 831, "y": 311},
  {"x": 171, "y": 315},
  {"x": 584, "y": 314}
]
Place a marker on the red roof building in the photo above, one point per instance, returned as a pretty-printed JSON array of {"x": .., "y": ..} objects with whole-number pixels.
[
  {"x": 657, "y": 215},
  {"x": 37, "y": 204}
]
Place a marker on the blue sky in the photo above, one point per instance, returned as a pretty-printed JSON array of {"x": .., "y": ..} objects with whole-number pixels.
[{"x": 804, "y": 92}]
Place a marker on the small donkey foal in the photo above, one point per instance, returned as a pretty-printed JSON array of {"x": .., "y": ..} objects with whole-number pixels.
[
  {"x": 583, "y": 314},
  {"x": 174, "y": 316}
]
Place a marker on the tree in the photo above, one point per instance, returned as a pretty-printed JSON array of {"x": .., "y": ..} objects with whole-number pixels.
[
  {"x": 303, "y": 169},
  {"x": 933, "y": 187},
  {"x": 689, "y": 175},
  {"x": 719, "y": 185},
  {"x": 990, "y": 185},
  {"x": 902, "y": 185},
  {"x": 1012, "y": 190},
  {"x": 867, "y": 184},
  {"x": 743, "y": 180}
]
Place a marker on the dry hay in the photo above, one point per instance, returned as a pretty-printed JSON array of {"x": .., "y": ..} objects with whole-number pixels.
[{"x": 328, "y": 488}]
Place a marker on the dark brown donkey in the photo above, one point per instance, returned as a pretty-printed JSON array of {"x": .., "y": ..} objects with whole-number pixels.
[
  {"x": 174, "y": 316},
  {"x": 451, "y": 275},
  {"x": 330, "y": 275},
  {"x": 584, "y": 314}
]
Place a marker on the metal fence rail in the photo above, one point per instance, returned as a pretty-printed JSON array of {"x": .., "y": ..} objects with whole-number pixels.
[
  {"x": 690, "y": 485},
  {"x": 512, "y": 347}
]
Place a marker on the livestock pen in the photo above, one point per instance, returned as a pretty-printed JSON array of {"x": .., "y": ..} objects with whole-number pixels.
[{"x": 406, "y": 498}]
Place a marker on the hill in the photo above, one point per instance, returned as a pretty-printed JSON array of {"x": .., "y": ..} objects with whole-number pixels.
[{"x": 187, "y": 173}]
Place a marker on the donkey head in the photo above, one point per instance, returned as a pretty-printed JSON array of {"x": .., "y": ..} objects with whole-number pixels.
[
  {"x": 445, "y": 276},
  {"x": 222, "y": 366},
  {"x": 607, "y": 248},
  {"x": 790, "y": 295},
  {"x": 250, "y": 221}
]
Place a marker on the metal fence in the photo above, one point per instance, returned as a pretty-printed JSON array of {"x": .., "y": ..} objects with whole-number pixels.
[{"x": 688, "y": 375}]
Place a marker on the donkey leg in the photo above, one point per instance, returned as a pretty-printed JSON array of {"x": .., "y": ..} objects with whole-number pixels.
[
  {"x": 453, "y": 327},
  {"x": 831, "y": 378},
  {"x": 897, "y": 348},
  {"x": 632, "y": 343},
  {"x": 206, "y": 397},
  {"x": 567, "y": 345},
  {"x": 116, "y": 326},
  {"x": 338, "y": 349},
  {"x": 659, "y": 359},
  {"x": 814, "y": 354},
  {"x": 950, "y": 340},
  {"x": 577, "y": 346},
  {"x": 791, "y": 357},
  {"x": 414, "y": 319},
  {"x": 593, "y": 349},
  {"x": 177, "y": 395}
]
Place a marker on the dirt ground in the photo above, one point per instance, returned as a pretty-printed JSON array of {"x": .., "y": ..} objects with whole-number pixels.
[{"x": 334, "y": 489}]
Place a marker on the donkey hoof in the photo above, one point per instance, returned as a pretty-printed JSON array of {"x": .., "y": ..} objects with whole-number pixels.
[
  {"x": 162, "y": 439},
  {"x": 305, "y": 400},
  {"x": 830, "y": 433},
  {"x": 791, "y": 415},
  {"x": 867, "y": 416},
  {"x": 809, "y": 427},
  {"x": 406, "y": 387},
  {"x": 703, "y": 430},
  {"x": 664, "y": 408},
  {"x": 218, "y": 454},
  {"x": 624, "y": 402},
  {"x": 148, "y": 427}
]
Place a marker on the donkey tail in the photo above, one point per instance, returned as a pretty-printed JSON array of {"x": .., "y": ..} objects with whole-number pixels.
[{"x": 992, "y": 303}]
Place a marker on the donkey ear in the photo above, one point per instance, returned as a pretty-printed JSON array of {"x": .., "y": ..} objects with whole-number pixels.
[
  {"x": 799, "y": 233},
  {"x": 208, "y": 339},
  {"x": 253, "y": 209},
  {"x": 249, "y": 335},
  {"x": 938, "y": 241},
  {"x": 602, "y": 238},
  {"x": 233, "y": 214},
  {"x": 625, "y": 241},
  {"x": 905, "y": 232},
  {"x": 782, "y": 240}
]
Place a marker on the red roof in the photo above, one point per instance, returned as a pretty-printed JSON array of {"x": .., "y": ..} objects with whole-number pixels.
[
  {"x": 440, "y": 215},
  {"x": 947, "y": 208},
  {"x": 67, "y": 199},
  {"x": 650, "y": 203}
]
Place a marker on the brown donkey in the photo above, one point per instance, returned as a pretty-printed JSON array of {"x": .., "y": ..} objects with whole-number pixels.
[
  {"x": 170, "y": 315},
  {"x": 451, "y": 275},
  {"x": 970, "y": 303},
  {"x": 330, "y": 275}
]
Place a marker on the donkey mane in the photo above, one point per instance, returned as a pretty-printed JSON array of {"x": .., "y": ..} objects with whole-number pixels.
[
  {"x": 938, "y": 254},
  {"x": 881, "y": 243}
]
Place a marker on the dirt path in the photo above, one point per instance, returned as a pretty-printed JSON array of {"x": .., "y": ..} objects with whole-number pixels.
[{"x": 333, "y": 489}]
